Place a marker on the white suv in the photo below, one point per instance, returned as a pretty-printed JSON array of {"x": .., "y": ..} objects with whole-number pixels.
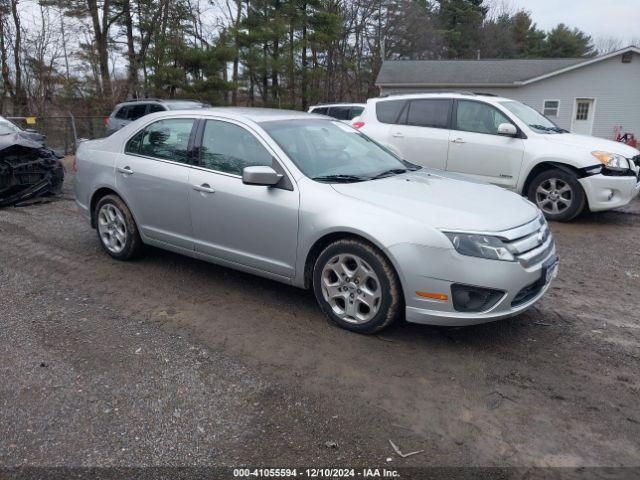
[{"x": 507, "y": 143}]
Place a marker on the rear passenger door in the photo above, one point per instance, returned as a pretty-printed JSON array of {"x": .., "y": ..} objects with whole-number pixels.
[
  {"x": 476, "y": 148},
  {"x": 153, "y": 177},
  {"x": 422, "y": 132}
]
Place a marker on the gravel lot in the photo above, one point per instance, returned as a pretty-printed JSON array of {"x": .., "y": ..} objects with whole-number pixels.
[{"x": 173, "y": 361}]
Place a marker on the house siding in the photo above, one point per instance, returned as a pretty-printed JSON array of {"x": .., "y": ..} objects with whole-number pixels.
[{"x": 614, "y": 85}]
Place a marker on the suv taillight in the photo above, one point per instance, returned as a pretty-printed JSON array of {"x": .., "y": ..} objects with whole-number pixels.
[
  {"x": 74, "y": 165},
  {"x": 106, "y": 120},
  {"x": 357, "y": 124}
]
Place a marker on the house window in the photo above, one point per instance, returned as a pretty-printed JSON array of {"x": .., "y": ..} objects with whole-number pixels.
[{"x": 551, "y": 108}]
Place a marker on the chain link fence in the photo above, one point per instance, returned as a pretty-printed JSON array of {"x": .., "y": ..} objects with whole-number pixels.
[{"x": 64, "y": 132}]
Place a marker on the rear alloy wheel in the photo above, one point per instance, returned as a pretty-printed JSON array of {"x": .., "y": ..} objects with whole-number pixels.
[
  {"x": 117, "y": 230},
  {"x": 356, "y": 286},
  {"x": 558, "y": 194}
]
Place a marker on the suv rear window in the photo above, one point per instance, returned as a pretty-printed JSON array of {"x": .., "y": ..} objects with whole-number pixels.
[
  {"x": 432, "y": 113},
  {"x": 389, "y": 111},
  {"x": 320, "y": 110}
]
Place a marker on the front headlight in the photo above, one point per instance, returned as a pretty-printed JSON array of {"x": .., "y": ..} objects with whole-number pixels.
[
  {"x": 612, "y": 160},
  {"x": 483, "y": 246}
]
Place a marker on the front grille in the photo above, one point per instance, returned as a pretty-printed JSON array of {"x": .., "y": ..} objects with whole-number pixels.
[{"x": 530, "y": 243}]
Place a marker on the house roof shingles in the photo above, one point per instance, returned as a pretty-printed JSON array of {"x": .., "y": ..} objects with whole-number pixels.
[{"x": 468, "y": 72}]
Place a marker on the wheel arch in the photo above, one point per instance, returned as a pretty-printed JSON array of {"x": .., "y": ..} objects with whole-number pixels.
[
  {"x": 321, "y": 243},
  {"x": 101, "y": 193},
  {"x": 547, "y": 165}
]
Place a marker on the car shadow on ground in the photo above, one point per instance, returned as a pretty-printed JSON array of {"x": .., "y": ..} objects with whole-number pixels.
[{"x": 482, "y": 336}]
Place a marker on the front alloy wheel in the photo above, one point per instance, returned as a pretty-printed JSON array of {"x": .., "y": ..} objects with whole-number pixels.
[
  {"x": 356, "y": 286},
  {"x": 558, "y": 194}
]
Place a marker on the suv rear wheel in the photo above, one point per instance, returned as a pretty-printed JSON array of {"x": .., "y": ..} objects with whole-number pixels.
[
  {"x": 558, "y": 194},
  {"x": 357, "y": 287}
]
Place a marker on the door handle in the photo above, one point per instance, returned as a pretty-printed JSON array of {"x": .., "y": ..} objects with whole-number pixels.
[
  {"x": 204, "y": 188},
  {"x": 126, "y": 170},
  {"x": 397, "y": 135},
  {"x": 458, "y": 140}
]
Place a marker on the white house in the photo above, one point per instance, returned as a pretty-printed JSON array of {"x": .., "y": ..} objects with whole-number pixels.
[{"x": 590, "y": 96}]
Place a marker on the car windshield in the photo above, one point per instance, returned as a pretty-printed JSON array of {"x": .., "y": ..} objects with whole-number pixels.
[
  {"x": 532, "y": 118},
  {"x": 330, "y": 151},
  {"x": 7, "y": 127}
]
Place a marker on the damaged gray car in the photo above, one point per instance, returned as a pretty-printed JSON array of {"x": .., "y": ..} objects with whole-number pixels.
[{"x": 28, "y": 169}]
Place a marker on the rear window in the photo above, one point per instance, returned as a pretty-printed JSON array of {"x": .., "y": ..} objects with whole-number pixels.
[
  {"x": 355, "y": 111},
  {"x": 429, "y": 113},
  {"x": 340, "y": 113},
  {"x": 320, "y": 110},
  {"x": 389, "y": 111}
]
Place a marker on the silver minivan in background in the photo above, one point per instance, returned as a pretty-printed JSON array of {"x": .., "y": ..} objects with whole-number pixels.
[{"x": 309, "y": 201}]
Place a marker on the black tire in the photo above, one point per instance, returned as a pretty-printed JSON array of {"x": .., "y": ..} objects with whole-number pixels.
[
  {"x": 133, "y": 245},
  {"x": 571, "y": 202},
  {"x": 389, "y": 306}
]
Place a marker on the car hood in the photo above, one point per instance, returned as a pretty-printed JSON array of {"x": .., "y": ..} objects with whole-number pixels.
[
  {"x": 592, "y": 143},
  {"x": 444, "y": 203}
]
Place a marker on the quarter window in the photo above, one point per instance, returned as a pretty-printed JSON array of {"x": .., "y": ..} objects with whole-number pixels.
[
  {"x": 551, "y": 108},
  {"x": 122, "y": 112},
  {"x": 166, "y": 139},
  {"x": 429, "y": 113},
  {"x": 478, "y": 117},
  {"x": 229, "y": 148},
  {"x": 389, "y": 111}
]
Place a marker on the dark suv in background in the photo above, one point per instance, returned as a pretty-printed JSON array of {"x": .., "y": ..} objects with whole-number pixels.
[{"x": 127, "y": 112}]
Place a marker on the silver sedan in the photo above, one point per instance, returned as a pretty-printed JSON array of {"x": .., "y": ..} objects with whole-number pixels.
[{"x": 309, "y": 201}]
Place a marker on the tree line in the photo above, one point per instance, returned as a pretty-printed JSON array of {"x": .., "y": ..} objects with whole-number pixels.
[{"x": 86, "y": 55}]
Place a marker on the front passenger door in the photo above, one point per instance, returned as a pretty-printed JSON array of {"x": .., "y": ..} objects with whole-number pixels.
[
  {"x": 254, "y": 226},
  {"x": 476, "y": 148}
]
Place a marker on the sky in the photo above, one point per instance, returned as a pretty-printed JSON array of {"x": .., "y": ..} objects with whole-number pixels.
[{"x": 598, "y": 18}]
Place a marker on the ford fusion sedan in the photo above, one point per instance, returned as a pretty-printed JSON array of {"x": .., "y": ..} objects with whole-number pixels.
[
  {"x": 504, "y": 142},
  {"x": 312, "y": 202}
]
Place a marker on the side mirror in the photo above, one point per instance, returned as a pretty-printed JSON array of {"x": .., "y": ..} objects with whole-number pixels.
[
  {"x": 260, "y": 175},
  {"x": 507, "y": 129}
]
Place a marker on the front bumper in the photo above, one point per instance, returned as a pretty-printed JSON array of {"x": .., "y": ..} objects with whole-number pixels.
[
  {"x": 429, "y": 269},
  {"x": 606, "y": 192}
]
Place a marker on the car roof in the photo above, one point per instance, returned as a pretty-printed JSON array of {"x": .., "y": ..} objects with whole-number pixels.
[
  {"x": 489, "y": 98},
  {"x": 253, "y": 114}
]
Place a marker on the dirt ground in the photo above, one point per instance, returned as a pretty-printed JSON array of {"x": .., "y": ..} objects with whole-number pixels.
[{"x": 173, "y": 361}]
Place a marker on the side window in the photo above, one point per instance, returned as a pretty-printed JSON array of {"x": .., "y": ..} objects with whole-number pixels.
[
  {"x": 389, "y": 111},
  {"x": 133, "y": 145},
  {"x": 136, "y": 111},
  {"x": 429, "y": 113},
  {"x": 154, "y": 107},
  {"x": 122, "y": 112},
  {"x": 355, "y": 111},
  {"x": 478, "y": 117},
  {"x": 167, "y": 139},
  {"x": 320, "y": 110},
  {"x": 229, "y": 148},
  {"x": 340, "y": 113}
]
